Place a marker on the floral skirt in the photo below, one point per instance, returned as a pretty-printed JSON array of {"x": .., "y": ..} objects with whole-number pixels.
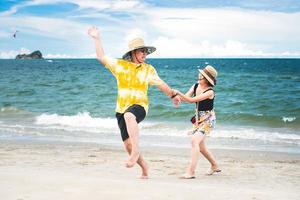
[{"x": 207, "y": 121}]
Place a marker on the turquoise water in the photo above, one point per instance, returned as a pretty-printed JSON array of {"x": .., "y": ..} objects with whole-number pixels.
[{"x": 257, "y": 102}]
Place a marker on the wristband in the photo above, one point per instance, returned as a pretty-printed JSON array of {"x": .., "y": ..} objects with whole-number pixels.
[{"x": 174, "y": 95}]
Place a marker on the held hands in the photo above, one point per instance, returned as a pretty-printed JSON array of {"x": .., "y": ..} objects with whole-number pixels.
[
  {"x": 176, "y": 101},
  {"x": 176, "y": 92},
  {"x": 94, "y": 32},
  {"x": 176, "y": 98}
]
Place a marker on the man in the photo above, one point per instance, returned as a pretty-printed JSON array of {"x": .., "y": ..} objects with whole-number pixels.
[{"x": 133, "y": 76}]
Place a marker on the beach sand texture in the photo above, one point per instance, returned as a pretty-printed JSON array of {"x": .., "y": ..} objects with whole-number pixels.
[{"x": 89, "y": 171}]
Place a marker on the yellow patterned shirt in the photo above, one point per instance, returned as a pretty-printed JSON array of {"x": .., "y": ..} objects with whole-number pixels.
[{"x": 133, "y": 81}]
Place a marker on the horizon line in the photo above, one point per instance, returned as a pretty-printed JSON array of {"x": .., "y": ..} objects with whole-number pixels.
[{"x": 167, "y": 58}]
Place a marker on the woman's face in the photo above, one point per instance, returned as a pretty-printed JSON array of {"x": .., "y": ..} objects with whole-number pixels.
[{"x": 201, "y": 79}]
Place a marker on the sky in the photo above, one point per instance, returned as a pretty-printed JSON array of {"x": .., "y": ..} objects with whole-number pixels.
[{"x": 177, "y": 28}]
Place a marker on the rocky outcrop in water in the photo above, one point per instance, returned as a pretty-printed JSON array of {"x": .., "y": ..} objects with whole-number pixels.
[{"x": 33, "y": 55}]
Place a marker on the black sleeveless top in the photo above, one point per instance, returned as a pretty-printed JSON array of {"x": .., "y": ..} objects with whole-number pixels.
[{"x": 207, "y": 104}]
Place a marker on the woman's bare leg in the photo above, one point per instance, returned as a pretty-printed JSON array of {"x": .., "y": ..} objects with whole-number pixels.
[
  {"x": 196, "y": 140},
  {"x": 208, "y": 155}
]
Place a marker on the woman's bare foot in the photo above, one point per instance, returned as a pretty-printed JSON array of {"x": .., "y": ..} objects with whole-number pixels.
[
  {"x": 132, "y": 160},
  {"x": 213, "y": 169},
  {"x": 190, "y": 174},
  {"x": 187, "y": 176}
]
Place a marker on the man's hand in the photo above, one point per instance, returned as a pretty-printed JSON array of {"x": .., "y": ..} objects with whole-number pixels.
[
  {"x": 94, "y": 32},
  {"x": 176, "y": 101}
]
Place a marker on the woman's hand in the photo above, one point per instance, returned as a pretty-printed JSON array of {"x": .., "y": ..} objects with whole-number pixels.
[
  {"x": 94, "y": 32},
  {"x": 176, "y": 92}
]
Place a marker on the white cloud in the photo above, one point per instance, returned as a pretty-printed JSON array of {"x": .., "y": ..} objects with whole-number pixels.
[
  {"x": 176, "y": 32},
  {"x": 290, "y": 54},
  {"x": 4, "y": 34},
  {"x": 59, "y": 56},
  {"x": 134, "y": 33},
  {"x": 11, "y": 11},
  {"x": 126, "y": 4},
  {"x": 49, "y": 27},
  {"x": 172, "y": 48},
  {"x": 233, "y": 48},
  {"x": 109, "y": 5},
  {"x": 95, "y": 4},
  {"x": 225, "y": 24},
  {"x": 167, "y": 47},
  {"x": 48, "y": 56},
  {"x": 13, "y": 53},
  {"x": 8, "y": 54}
]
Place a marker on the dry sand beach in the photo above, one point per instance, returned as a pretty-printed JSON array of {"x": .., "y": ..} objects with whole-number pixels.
[{"x": 42, "y": 170}]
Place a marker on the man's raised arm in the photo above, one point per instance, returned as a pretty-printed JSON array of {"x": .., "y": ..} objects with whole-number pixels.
[{"x": 95, "y": 34}]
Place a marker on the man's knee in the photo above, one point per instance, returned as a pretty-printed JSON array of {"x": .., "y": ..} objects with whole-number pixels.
[
  {"x": 128, "y": 116},
  {"x": 127, "y": 144},
  {"x": 202, "y": 150}
]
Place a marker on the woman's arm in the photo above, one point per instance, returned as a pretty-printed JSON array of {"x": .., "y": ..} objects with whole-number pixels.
[
  {"x": 189, "y": 93},
  {"x": 200, "y": 97}
]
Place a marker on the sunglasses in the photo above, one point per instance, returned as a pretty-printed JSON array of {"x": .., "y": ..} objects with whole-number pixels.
[
  {"x": 201, "y": 77},
  {"x": 143, "y": 50}
]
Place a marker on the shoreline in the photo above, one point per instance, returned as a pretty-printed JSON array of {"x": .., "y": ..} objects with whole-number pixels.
[
  {"x": 117, "y": 144},
  {"x": 45, "y": 170}
]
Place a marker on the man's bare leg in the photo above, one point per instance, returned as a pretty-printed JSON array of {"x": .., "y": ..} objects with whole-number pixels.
[
  {"x": 141, "y": 162},
  {"x": 133, "y": 132}
]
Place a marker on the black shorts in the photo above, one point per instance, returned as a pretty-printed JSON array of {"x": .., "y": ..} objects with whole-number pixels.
[{"x": 139, "y": 113}]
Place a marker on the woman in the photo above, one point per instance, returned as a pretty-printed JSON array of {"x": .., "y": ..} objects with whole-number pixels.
[{"x": 204, "y": 119}]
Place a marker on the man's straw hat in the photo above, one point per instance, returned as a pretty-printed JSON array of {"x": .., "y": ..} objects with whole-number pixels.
[
  {"x": 137, "y": 43},
  {"x": 210, "y": 74}
]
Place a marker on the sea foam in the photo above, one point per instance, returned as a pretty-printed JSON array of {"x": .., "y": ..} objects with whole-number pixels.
[
  {"x": 85, "y": 122},
  {"x": 80, "y": 120},
  {"x": 288, "y": 119}
]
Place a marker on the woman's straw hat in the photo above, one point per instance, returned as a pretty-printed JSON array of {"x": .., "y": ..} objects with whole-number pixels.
[
  {"x": 137, "y": 43},
  {"x": 210, "y": 74}
]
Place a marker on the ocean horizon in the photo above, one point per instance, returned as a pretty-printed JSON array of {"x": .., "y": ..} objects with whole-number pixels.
[{"x": 73, "y": 100}]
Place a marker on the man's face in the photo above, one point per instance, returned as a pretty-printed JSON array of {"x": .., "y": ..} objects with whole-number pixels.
[{"x": 140, "y": 55}]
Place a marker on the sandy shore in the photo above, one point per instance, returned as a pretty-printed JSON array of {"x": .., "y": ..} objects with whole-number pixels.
[{"x": 91, "y": 171}]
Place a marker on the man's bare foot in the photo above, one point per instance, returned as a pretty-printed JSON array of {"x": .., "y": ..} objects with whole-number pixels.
[
  {"x": 132, "y": 160},
  {"x": 145, "y": 170},
  {"x": 144, "y": 177}
]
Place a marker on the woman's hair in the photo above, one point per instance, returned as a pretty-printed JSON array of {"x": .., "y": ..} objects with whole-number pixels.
[{"x": 215, "y": 82}]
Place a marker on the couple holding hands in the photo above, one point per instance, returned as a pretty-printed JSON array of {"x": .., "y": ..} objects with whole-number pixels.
[{"x": 133, "y": 77}]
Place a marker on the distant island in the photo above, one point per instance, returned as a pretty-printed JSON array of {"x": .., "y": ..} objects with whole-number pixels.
[{"x": 33, "y": 55}]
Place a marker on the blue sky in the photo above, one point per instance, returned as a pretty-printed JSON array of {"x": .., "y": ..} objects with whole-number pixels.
[{"x": 178, "y": 28}]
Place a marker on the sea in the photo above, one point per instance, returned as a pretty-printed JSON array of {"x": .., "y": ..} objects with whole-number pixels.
[{"x": 257, "y": 103}]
